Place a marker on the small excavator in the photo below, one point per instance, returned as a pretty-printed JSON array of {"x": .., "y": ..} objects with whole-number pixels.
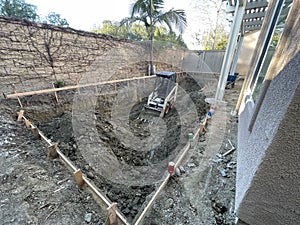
[{"x": 164, "y": 93}]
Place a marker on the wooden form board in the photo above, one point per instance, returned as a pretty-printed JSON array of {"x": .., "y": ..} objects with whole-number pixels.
[
  {"x": 164, "y": 183},
  {"x": 78, "y": 86},
  {"x": 16, "y": 95},
  {"x": 79, "y": 177}
]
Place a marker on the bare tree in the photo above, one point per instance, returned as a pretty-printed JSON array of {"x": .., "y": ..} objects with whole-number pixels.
[{"x": 213, "y": 23}]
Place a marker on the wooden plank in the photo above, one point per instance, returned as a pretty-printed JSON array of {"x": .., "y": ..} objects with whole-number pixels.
[
  {"x": 104, "y": 199},
  {"x": 154, "y": 197},
  {"x": 177, "y": 164},
  {"x": 164, "y": 183},
  {"x": 66, "y": 160},
  {"x": 16, "y": 95},
  {"x": 81, "y": 180},
  {"x": 78, "y": 175}
]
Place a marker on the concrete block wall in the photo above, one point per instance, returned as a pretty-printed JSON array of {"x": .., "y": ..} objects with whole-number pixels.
[
  {"x": 34, "y": 55},
  {"x": 41, "y": 52}
]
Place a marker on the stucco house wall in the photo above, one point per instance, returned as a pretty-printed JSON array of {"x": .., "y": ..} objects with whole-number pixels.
[{"x": 268, "y": 177}]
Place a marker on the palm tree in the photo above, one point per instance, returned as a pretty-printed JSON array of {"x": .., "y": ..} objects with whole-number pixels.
[{"x": 150, "y": 13}]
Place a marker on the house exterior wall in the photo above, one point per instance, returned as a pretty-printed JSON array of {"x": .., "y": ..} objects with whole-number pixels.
[{"x": 268, "y": 178}]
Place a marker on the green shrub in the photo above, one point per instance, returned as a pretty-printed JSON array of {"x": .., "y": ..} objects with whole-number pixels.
[{"x": 59, "y": 83}]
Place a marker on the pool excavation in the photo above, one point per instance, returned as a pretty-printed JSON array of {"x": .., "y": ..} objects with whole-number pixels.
[{"x": 140, "y": 168}]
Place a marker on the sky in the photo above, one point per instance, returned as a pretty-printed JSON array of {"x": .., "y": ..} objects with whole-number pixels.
[{"x": 87, "y": 14}]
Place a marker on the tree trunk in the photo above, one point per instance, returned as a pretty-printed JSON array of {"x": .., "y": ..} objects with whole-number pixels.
[{"x": 151, "y": 69}]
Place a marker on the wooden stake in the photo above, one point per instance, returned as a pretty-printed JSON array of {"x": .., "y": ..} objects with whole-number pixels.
[
  {"x": 55, "y": 93},
  {"x": 36, "y": 133},
  {"x": 151, "y": 202},
  {"x": 52, "y": 151},
  {"x": 201, "y": 128},
  {"x": 78, "y": 177},
  {"x": 20, "y": 115},
  {"x": 20, "y": 103},
  {"x": 111, "y": 215},
  {"x": 15, "y": 92},
  {"x": 27, "y": 123},
  {"x": 104, "y": 199}
]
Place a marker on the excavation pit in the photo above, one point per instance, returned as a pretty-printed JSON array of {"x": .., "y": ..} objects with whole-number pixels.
[{"x": 55, "y": 121}]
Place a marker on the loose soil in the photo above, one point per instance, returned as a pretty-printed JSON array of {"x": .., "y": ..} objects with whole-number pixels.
[{"x": 37, "y": 190}]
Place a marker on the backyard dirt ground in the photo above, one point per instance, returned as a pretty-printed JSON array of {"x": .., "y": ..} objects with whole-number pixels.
[{"x": 37, "y": 190}]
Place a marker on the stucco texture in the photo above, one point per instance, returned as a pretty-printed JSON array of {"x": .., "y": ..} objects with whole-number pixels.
[
  {"x": 270, "y": 155},
  {"x": 268, "y": 177}
]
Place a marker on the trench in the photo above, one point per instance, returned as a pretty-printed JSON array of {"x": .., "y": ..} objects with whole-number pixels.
[{"x": 55, "y": 120}]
